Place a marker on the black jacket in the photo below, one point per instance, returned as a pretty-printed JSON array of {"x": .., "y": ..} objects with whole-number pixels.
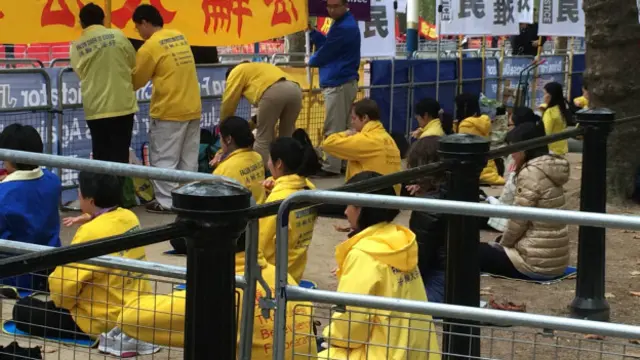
[
  {"x": 431, "y": 232},
  {"x": 521, "y": 44}
]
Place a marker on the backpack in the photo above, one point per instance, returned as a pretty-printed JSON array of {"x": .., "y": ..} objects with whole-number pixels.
[{"x": 209, "y": 146}]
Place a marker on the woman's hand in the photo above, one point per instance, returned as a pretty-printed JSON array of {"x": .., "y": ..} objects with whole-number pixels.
[
  {"x": 78, "y": 220},
  {"x": 340, "y": 228},
  {"x": 268, "y": 184},
  {"x": 416, "y": 133},
  {"x": 413, "y": 189},
  {"x": 216, "y": 160}
]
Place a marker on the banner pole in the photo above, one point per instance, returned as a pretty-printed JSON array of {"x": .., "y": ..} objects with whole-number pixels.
[
  {"x": 438, "y": 49},
  {"x": 483, "y": 53},
  {"x": 307, "y": 50},
  {"x": 107, "y": 13}
]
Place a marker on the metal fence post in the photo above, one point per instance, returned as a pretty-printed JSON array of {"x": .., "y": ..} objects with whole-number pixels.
[
  {"x": 589, "y": 302},
  {"x": 216, "y": 211},
  {"x": 463, "y": 236}
]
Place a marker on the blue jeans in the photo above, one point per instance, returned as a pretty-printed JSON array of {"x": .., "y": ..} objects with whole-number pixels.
[{"x": 434, "y": 284}]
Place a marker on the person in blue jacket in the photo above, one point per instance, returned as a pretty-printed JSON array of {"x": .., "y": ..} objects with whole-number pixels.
[
  {"x": 29, "y": 199},
  {"x": 337, "y": 56}
]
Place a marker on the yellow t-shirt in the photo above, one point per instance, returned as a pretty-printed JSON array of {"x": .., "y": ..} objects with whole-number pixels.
[
  {"x": 166, "y": 59},
  {"x": 250, "y": 80},
  {"x": 245, "y": 166},
  {"x": 94, "y": 295},
  {"x": 372, "y": 149},
  {"x": 103, "y": 59},
  {"x": 553, "y": 124}
]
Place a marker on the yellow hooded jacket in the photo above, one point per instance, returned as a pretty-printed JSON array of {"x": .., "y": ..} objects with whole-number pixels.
[
  {"x": 371, "y": 149},
  {"x": 581, "y": 102},
  {"x": 301, "y": 223},
  {"x": 433, "y": 128},
  {"x": 94, "y": 295},
  {"x": 481, "y": 126},
  {"x": 245, "y": 166},
  {"x": 159, "y": 319},
  {"x": 553, "y": 124},
  {"x": 381, "y": 260}
]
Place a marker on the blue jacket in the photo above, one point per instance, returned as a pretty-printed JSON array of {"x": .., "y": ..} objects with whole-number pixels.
[
  {"x": 29, "y": 203},
  {"x": 337, "y": 54}
]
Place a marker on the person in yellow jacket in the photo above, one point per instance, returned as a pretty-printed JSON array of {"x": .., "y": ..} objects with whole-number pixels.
[
  {"x": 427, "y": 114},
  {"x": 291, "y": 161},
  {"x": 166, "y": 59},
  {"x": 159, "y": 319},
  {"x": 471, "y": 122},
  {"x": 555, "y": 116},
  {"x": 86, "y": 299},
  {"x": 366, "y": 147},
  {"x": 379, "y": 258},
  {"x": 583, "y": 101},
  {"x": 103, "y": 59},
  {"x": 272, "y": 91}
]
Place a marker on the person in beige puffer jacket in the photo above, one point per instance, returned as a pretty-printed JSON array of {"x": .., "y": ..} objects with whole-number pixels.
[{"x": 532, "y": 249}]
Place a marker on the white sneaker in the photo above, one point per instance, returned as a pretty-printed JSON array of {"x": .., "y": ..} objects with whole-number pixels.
[{"x": 118, "y": 344}]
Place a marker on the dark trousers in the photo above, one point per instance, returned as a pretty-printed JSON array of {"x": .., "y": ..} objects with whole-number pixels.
[
  {"x": 179, "y": 245},
  {"x": 44, "y": 319},
  {"x": 111, "y": 138},
  {"x": 494, "y": 260}
]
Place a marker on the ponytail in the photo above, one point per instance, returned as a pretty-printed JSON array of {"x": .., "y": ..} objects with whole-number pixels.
[
  {"x": 296, "y": 153},
  {"x": 446, "y": 120}
]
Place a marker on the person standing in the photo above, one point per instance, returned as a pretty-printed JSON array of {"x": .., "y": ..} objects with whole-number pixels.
[
  {"x": 103, "y": 59},
  {"x": 527, "y": 42},
  {"x": 270, "y": 89},
  {"x": 337, "y": 56},
  {"x": 174, "y": 130}
]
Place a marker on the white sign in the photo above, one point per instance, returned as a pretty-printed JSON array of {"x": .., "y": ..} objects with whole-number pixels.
[
  {"x": 505, "y": 18},
  {"x": 379, "y": 34},
  {"x": 466, "y": 17},
  {"x": 525, "y": 11},
  {"x": 561, "y": 18}
]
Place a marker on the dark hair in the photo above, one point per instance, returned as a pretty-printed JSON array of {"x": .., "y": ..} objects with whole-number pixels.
[
  {"x": 424, "y": 152},
  {"x": 523, "y": 114},
  {"x": 149, "y": 14},
  {"x": 446, "y": 120},
  {"x": 91, "y": 14},
  {"x": 585, "y": 84},
  {"x": 372, "y": 216},
  {"x": 22, "y": 138},
  {"x": 428, "y": 106},
  {"x": 238, "y": 129},
  {"x": 366, "y": 107},
  {"x": 554, "y": 90},
  {"x": 104, "y": 189},
  {"x": 296, "y": 153},
  {"x": 527, "y": 131},
  {"x": 467, "y": 105},
  {"x": 230, "y": 69}
]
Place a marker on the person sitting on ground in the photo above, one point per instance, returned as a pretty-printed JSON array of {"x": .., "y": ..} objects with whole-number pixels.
[
  {"x": 367, "y": 146},
  {"x": 532, "y": 249},
  {"x": 379, "y": 258},
  {"x": 29, "y": 201},
  {"x": 430, "y": 228},
  {"x": 428, "y": 114},
  {"x": 159, "y": 319},
  {"x": 556, "y": 116},
  {"x": 85, "y": 299},
  {"x": 471, "y": 122},
  {"x": 292, "y": 160},
  {"x": 519, "y": 116},
  {"x": 583, "y": 101}
]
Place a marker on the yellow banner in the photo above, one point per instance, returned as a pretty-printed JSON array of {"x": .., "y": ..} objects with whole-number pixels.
[{"x": 204, "y": 22}]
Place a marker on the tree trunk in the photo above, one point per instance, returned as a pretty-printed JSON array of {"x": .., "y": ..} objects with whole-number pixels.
[
  {"x": 612, "y": 37},
  {"x": 296, "y": 45}
]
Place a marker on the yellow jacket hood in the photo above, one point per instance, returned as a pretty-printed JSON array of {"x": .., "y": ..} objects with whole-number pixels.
[
  {"x": 478, "y": 125},
  {"x": 388, "y": 243}
]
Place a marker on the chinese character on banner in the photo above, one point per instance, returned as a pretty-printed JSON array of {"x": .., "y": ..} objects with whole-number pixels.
[
  {"x": 525, "y": 11},
  {"x": 218, "y": 14},
  {"x": 121, "y": 17},
  {"x": 469, "y": 7},
  {"x": 280, "y": 13},
  {"x": 467, "y": 17},
  {"x": 378, "y": 36},
  {"x": 64, "y": 16},
  {"x": 504, "y": 21},
  {"x": 378, "y": 22},
  {"x": 561, "y": 18}
]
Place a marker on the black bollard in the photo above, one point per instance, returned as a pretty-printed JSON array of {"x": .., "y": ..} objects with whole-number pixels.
[
  {"x": 216, "y": 211},
  {"x": 590, "y": 302},
  {"x": 463, "y": 235}
]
